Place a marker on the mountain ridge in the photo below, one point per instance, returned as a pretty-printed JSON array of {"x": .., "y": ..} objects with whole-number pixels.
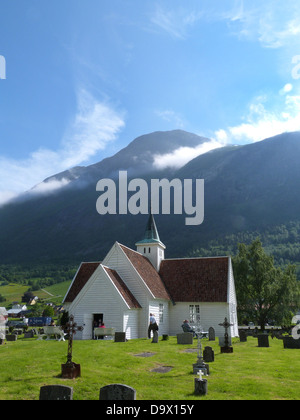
[{"x": 247, "y": 188}]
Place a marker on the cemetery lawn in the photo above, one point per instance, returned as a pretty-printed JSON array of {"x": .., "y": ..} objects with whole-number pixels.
[{"x": 249, "y": 373}]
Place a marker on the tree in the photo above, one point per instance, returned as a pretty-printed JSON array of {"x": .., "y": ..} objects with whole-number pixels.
[
  {"x": 27, "y": 297},
  {"x": 48, "y": 311},
  {"x": 263, "y": 291}
]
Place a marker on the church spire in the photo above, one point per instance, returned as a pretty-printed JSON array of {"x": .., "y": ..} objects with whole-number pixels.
[
  {"x": 151, "y": 246},
  {"x": 151, "y": 232}
]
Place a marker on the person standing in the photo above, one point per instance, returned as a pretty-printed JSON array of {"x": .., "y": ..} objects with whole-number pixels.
[{"x": 152, "y": 325}]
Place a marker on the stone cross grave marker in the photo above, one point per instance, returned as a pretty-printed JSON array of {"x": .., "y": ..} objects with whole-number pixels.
[
  {"x": 199, "y": 365},
  {"x": 71, "y": 370},
  {"x": 226, "y": 348}
]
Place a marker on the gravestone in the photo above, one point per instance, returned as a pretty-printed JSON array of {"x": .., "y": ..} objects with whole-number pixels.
[
  {"x": 211, "y": 334},
  {"x": 185, "y": 338},
  {"x": 155, "y": 337},
  {"x": 117, "y": 392},
  {"x": 165, "y": 337},
  {"x": 56, "y": 393},
  {"x": 28, "y": 334},
  {"x": 208, "y": 354},
  {"x": 291, "y": 343},
  {"x": 200, "y": 385},
  {"x": 243, "y": 336},
  {"x": 263, "y": 340},
  {"x": 120, "y": 337},
  {"x": 11, "y": 337}
]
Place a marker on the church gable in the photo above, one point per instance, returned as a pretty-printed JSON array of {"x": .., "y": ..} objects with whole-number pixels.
[
  {"x": 196, "y": 279},
  {"x": 84, "y": 273},
  {"x": 147, "y": 272},
  {"x": 122, "y": 289}
]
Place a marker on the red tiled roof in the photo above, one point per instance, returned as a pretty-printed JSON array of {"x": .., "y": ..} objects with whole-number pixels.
[
  {"x": 123, "y": 289},
  {"x": 84, "y": 273},
  {"x": 148, "y": 273},
  {"x": 196, "y": 279}
]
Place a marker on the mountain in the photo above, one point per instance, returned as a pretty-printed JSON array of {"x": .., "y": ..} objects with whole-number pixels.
[
  {"x": 64, "y": 225},
  {"x": 249, "y": 188}
]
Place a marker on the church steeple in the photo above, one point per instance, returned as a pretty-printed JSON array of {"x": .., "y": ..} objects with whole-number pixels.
[{"x": 151, "y": 246}]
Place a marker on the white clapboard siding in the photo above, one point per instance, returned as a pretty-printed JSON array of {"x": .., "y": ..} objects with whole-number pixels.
[
  {"x": 232, "y": 315},
  {"x": 211, "y": 314},
  {"x": 99, "y": 295},
  {"x": 117, "y": 260},
  {"x": 130, "y": 326},
  {"x": 154, "y": 309}
]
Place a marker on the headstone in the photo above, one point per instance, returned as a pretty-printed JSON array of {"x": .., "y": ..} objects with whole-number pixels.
[
  {"x": 263, "y": 340},
  {"x": 243, "y": 336},
  {"x": 211, "y": 334},
  {"x": 11, "y": 337},
  {"x": 56, "y": 392},
  {"x": 165, "y": 337},
  {"x": 291, "y": 343},
  {"x": 155, "y": 337},
  {"x": 120, "y": 337},
  {"x": 185, "y": 338},
  {"x": 208, "y": 354},
  {"x": 28, "y": 334},
  {"x": 200, "y": 385},
  {"x": 117, "y": 392}
]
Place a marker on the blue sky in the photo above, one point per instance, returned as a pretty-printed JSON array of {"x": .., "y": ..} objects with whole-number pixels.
[{"x": 83, "y": 79}]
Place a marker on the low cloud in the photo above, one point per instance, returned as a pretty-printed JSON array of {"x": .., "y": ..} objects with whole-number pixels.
[
  {"x": 183, "y": 155},
  {"x": 49, "y": 186}
]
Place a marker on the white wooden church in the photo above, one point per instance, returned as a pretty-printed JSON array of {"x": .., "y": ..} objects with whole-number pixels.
[{"x": 128, "y": 285}]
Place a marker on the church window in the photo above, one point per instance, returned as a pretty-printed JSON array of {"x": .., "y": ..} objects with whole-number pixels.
[
  {"x": 194, "y": 311},
  {"x": 144, "y": 250},
  {"x": 161, "y": 313},
  {"x": 149, "y": 250}
]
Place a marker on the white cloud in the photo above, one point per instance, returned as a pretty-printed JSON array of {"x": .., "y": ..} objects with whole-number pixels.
[
  {"x": 267, "y": 117},
  {"x": 94, "y": 126},
  {"x": 273, "y": 24},
  {"x": 183, "y": 155},
  {"x": 49, "y": 186},
  {"x": 175, "y": 22}
]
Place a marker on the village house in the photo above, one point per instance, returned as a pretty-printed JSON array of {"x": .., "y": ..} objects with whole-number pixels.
[{"x": 128, "y": 285}]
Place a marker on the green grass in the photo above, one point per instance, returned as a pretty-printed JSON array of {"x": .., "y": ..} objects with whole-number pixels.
[
  {"x": 13, "y": 292},
  {"x": 250, "y": 372}
]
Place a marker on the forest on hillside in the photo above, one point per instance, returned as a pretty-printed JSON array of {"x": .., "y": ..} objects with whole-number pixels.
[{"x": 281, "y": 241}]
